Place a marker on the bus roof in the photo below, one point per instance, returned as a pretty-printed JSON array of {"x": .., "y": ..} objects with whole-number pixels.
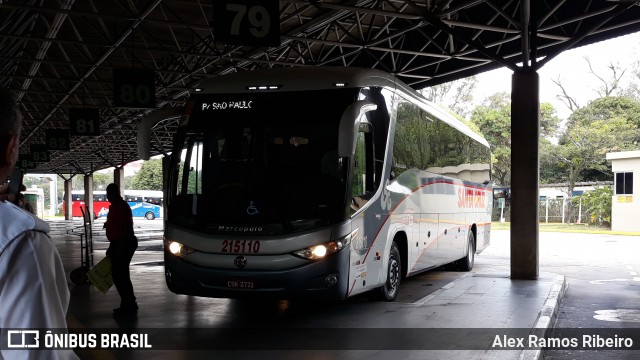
[
  {"x": 322, "y": 78},
  {"x": 297, "y": 79},
  {"x": 151, "y": 193}
]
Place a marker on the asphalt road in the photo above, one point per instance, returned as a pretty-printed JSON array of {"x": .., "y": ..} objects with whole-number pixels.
[{"x": 604, "y": 284}]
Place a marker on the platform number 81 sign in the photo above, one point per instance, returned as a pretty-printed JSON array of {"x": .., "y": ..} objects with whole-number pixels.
[
  {"x": 247, "y": 22},
  {"x": 84, "y": 122}
]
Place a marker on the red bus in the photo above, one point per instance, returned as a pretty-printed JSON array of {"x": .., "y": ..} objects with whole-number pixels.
[{"x": 143, "y": 203}]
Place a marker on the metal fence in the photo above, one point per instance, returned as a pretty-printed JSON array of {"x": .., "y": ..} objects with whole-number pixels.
[
  {"x": 562, "y": 211},
  {"x": 549, "y": 211}
]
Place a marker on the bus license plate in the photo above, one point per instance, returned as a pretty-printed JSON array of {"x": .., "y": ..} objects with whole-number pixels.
[{"x": 241, "y": 284}]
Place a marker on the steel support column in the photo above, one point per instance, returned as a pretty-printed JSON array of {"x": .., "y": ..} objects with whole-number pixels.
[
  {"x": 88, "y": 195},
  {"x": 118, "y": 178},
  {"x": 525, "y": 131},
  {"x": 68, "y": 214}
]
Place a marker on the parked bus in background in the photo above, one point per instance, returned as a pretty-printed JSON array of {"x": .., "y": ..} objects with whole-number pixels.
[
  {"x": 322, "y": 182},
  {"x": 143, "y": 203}
]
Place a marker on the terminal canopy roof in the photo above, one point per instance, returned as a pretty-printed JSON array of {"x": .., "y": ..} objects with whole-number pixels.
[{"x": 60, "y": 55}]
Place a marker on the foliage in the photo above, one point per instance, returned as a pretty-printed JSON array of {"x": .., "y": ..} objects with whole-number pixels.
[
  {"x": 149, "y": 177},
  {"x": 607, "y": 108},
  {"x": 598, "y": 205},
  {"x": 604, "y": 125},
  {"x": 493, "y": 118},
  {"x": 551, "y": 171},
  {"x": 455, "y": 95}
]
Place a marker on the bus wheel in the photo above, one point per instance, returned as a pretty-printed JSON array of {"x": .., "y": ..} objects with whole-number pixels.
[
  {"x": 389, "y": 291},
  {"x": 466, "y": 263},
  {"x": 149, "y": 216}
]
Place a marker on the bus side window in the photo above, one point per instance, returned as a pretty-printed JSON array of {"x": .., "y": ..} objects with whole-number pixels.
[{"x": 132, "y": 198}]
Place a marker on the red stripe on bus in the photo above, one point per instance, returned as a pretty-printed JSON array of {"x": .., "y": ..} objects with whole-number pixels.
[{"x": 442, "y": 181}]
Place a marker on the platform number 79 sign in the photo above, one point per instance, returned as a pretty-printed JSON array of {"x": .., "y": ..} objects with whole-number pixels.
[{"x": 247, "y": 22}]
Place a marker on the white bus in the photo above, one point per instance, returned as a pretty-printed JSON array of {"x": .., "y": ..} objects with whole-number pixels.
[{"x": 322, "y": 182}]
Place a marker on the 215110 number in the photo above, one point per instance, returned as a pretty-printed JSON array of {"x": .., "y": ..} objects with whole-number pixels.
[{"x": 240, "y": 246}]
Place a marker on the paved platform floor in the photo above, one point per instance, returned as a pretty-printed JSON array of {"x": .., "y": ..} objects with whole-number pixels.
[{"x": 460, "y": 315}]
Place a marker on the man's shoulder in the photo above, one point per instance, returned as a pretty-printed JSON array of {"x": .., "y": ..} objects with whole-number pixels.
[
  {"x": 15, "y": 221},
  {"x": 122, "y": 204}
]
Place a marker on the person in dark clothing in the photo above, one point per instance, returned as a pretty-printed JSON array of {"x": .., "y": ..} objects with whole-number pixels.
[{"x": 122, "y": 244}]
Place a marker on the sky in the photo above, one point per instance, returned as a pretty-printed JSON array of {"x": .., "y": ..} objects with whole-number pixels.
[{"x": 573, "y": 71}]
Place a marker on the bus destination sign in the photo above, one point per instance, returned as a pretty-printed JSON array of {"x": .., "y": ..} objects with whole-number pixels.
[{"x": 224, "y": 105}]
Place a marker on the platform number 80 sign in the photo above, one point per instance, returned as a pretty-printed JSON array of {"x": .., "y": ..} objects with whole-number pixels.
[
  {"x": 247, "y": 22},
  {"x": 134, "y": 88}
]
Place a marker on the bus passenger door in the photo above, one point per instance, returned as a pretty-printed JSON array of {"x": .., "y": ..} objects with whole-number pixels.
[{"x": 364, "y": 267}]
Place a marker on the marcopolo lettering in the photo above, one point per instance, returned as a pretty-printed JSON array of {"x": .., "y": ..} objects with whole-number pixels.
[{"x": 243, "y": 229}]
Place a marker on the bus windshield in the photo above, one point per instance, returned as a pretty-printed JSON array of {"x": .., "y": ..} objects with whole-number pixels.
[{"x": 257, "y": 164}]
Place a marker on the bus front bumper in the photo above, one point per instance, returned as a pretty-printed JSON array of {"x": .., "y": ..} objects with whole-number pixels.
[{"x": 325, "y": 279}]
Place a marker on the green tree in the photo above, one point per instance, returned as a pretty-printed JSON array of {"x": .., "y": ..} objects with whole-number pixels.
[
  {"x": 604, "y": 125},
  {"x": 551, "y": 171},
  {"x": 597, "y": 203},
  {"x": 493, "y": 118},
  {"x": 149, "y": 177},
  {"x": 101, "y": 180},
  {"x": 454, "y": 95}
]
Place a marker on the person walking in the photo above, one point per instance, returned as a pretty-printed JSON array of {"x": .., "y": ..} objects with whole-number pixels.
[
  {"x": 122, "y": 244},
  {"x": 33, "y": 286}
]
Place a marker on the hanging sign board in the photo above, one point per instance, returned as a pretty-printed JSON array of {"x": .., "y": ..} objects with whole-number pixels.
[
  {"x": 57, "y": 139},
  {"x": 25, "y": 162},
  {"x": 247, "y": 22},
  {"x": 134, "y": 88},
  {"x": 39, "y": 153},
  {"x": 84, "y": 122}
]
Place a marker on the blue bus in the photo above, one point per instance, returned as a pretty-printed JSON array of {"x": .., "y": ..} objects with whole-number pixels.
[{"x": 143, "y": 203}]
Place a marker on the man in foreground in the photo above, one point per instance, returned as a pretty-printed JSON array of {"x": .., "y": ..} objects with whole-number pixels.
[{"x": 33, "y": 287}]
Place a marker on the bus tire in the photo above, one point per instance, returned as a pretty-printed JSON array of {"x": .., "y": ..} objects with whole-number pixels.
[
  {"x": 466, "y": 262},
  {"x": 149, "y": 215},
  {"x": 389, "y": 291}
]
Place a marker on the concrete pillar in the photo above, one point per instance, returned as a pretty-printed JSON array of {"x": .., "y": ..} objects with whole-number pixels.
[
  {"x": 118, "y": 178},
  {"x": 88, "y": 195},
  {"x": 53, "y": 195},
  {"x": 525, "y": 131},
  {"x": 166, "y": 161},
  {"x": 68, "y": 200}
]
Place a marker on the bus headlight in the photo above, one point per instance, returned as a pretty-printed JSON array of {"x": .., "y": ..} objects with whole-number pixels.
[
  {"x": 177, "y": 248},
  {"x": 321, "y": 251}
]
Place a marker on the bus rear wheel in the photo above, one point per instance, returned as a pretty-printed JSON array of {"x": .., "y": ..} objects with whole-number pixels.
[
  {"x": 149, "y": 216},
  {"x": 389, "y": 291},
  {"x": 466, "y": 263}
]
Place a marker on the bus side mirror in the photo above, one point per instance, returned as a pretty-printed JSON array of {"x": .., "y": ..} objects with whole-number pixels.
[
  {"x": 350, "y": 125},
  {"x": 144, "y": 129}
]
